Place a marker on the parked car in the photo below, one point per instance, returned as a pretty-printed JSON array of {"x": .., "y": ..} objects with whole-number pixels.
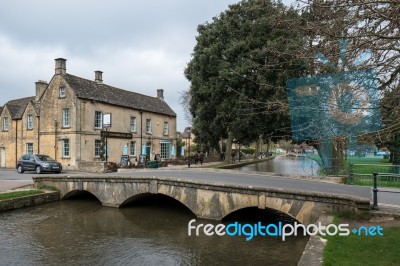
[{"x": 39, "y": 163}]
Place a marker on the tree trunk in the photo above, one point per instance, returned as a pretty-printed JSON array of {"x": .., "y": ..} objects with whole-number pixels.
[
  {"x": 257, "y": 153},
  {"x": 228, "y": 156},
  {"x": 268, "y": 146},
  {"x": 395, "y": 149},
  {"x": 338, "y": 147}
]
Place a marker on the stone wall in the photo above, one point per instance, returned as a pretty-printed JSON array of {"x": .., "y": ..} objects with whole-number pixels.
[
  {"x": 93, "y": 167},
  {"x": 27, "y": 201},
  {"x": 209, "y": 201}
]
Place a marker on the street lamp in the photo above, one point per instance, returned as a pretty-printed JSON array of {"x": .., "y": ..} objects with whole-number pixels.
[{"x": 189, "y": 132}]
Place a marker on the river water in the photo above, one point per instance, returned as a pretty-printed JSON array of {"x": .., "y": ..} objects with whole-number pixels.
[
  {"x": 285, "y": 165},
  {"x": 151, "y": 232}
]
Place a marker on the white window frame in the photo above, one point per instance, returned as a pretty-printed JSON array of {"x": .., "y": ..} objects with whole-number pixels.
[
  {"x": 133, "y": 124},
  {"x": 29, "y": 148},
  {"x": 165, "y": 149},
  {"x": 132, "y": 148},
  {"x": 97, "y": 147},
  {"x": 65, "y": 118},
  {"x": 148, "y": 126},
  {"x": 29, "y": 122},
  {"x": 5, "y": 124},
  {"x": 65, "y": 151},
  {"x": 165, "y": 128},
  {"x": 98, "y": 120},
  {"x": 62, "y": 93}
]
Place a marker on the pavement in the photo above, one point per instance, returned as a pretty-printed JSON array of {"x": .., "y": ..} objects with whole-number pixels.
[
  {"x": 8, "y": 185},
  {"x": 10, "y": 179}
]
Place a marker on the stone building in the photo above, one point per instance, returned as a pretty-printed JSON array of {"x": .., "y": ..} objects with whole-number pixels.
[{"x": 66, "y": 119}]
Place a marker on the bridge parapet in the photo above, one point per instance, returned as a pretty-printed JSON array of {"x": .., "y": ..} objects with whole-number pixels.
[{"x": 207, "y": 200}]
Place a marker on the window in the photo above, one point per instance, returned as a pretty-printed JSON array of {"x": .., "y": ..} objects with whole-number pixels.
[
  {"x": 133, "y": 124},
  {"x": 65, "y": 117},
  {"x": 148, "y": 125},
  {"x": 5, "y": 124},
  {"x": 29, "y": 148},
  {"x": 132, "y": 148},
  {"x": 165, "y": 130},
  {"x": 62, "y": 92},
  {"x": 97, "y": 148},
  {"x": 165, "y": 149},
  {"x": 65, "y": 148},
  {"x": 29, "y": 122},
  {"x": 98, "y": 119}
]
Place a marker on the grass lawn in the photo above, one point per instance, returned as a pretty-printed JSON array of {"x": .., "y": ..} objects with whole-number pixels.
[
  {"x": 16, "y": 194},
  {"x": 355, "y": 160},
  {"x": 362, "y": 169},
  {"x": 364, "y": 250}
]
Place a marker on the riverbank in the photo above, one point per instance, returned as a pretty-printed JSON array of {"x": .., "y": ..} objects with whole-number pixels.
[
  {"x": 356, "y": 249},
  {"x": 27, "y": 196},
  {"x": 224, "y": 165}
]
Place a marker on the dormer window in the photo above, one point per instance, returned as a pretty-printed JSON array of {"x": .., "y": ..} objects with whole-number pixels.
[
  {"x": 29, "y": 122},
  {"x": 165, "y": 129},
  {"x": 5, "y": 123},
  {"x": 62, "y": 92}
]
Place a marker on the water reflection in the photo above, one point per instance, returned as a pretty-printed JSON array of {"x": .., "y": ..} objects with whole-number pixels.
[
  {"x": 152, "y": 232},
  {"x": 285, "y": 165}
]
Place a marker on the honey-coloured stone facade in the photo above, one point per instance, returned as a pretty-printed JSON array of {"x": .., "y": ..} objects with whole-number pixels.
[{"x": 65, "y": 119}]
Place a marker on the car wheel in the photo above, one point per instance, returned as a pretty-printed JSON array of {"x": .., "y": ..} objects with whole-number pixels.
[
  {"x": 38, "y": 170},
  {"x": 20, "y": 169}
]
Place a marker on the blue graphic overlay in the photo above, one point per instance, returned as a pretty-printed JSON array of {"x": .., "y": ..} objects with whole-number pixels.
[{"x": 344, "y": 104}]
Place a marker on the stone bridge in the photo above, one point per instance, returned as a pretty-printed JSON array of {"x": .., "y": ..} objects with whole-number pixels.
[{"x": 206, "y": 200}]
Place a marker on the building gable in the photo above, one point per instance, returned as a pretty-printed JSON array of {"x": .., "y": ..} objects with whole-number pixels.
[
  {"x": 31, "y": 108},
  {"x": 16, "y": 108}
]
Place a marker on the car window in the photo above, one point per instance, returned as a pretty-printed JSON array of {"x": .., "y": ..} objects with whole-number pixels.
[
  {"x": 32, "y": 158},
  {"x": 25, "y": 157},
  {"x": 44, "y": 158}
]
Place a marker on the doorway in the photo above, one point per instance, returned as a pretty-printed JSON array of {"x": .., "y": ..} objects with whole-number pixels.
[
  {"x": 148, "y": 150},
  {"x": 3, "y": 157}
]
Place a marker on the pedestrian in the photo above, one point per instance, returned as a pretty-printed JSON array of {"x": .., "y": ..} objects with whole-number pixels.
[
  {"x": 201, "y": 157},
  {"x": 197, "y": 157}
]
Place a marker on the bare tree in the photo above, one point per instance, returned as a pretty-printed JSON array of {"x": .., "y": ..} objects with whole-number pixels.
[{"x": 356, "y": 35}]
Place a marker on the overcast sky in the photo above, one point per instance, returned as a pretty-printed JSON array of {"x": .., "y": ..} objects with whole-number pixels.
[{"x": 139, "y": 45}]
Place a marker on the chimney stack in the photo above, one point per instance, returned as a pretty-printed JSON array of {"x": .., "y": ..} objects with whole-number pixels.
[
  {"x": 61, "y": 66},
  {"x": 40, "y": 88},
  {"x": 160, "y": 94},
  {"x": 98, "y": 76}
]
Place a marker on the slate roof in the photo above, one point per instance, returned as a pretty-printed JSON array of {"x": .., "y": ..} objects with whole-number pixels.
[
  {"x": 17, "y": 107},
  {"x": 1, "y": 109},
  {"x": 92, "y": 90}
]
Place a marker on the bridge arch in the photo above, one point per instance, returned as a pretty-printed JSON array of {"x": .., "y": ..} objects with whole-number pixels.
[
  {"x": 266, "y": 215},
  {"x": 305, "y": 212},
  {"x": 141, "y": 196},
  {"x": 79, "y": 193}
]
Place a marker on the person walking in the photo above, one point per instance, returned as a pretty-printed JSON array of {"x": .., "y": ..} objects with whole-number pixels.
[{"x": 201, "y": 157}]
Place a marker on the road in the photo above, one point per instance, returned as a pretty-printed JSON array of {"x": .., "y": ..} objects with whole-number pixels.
[{"x": 10, "y": 178}]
